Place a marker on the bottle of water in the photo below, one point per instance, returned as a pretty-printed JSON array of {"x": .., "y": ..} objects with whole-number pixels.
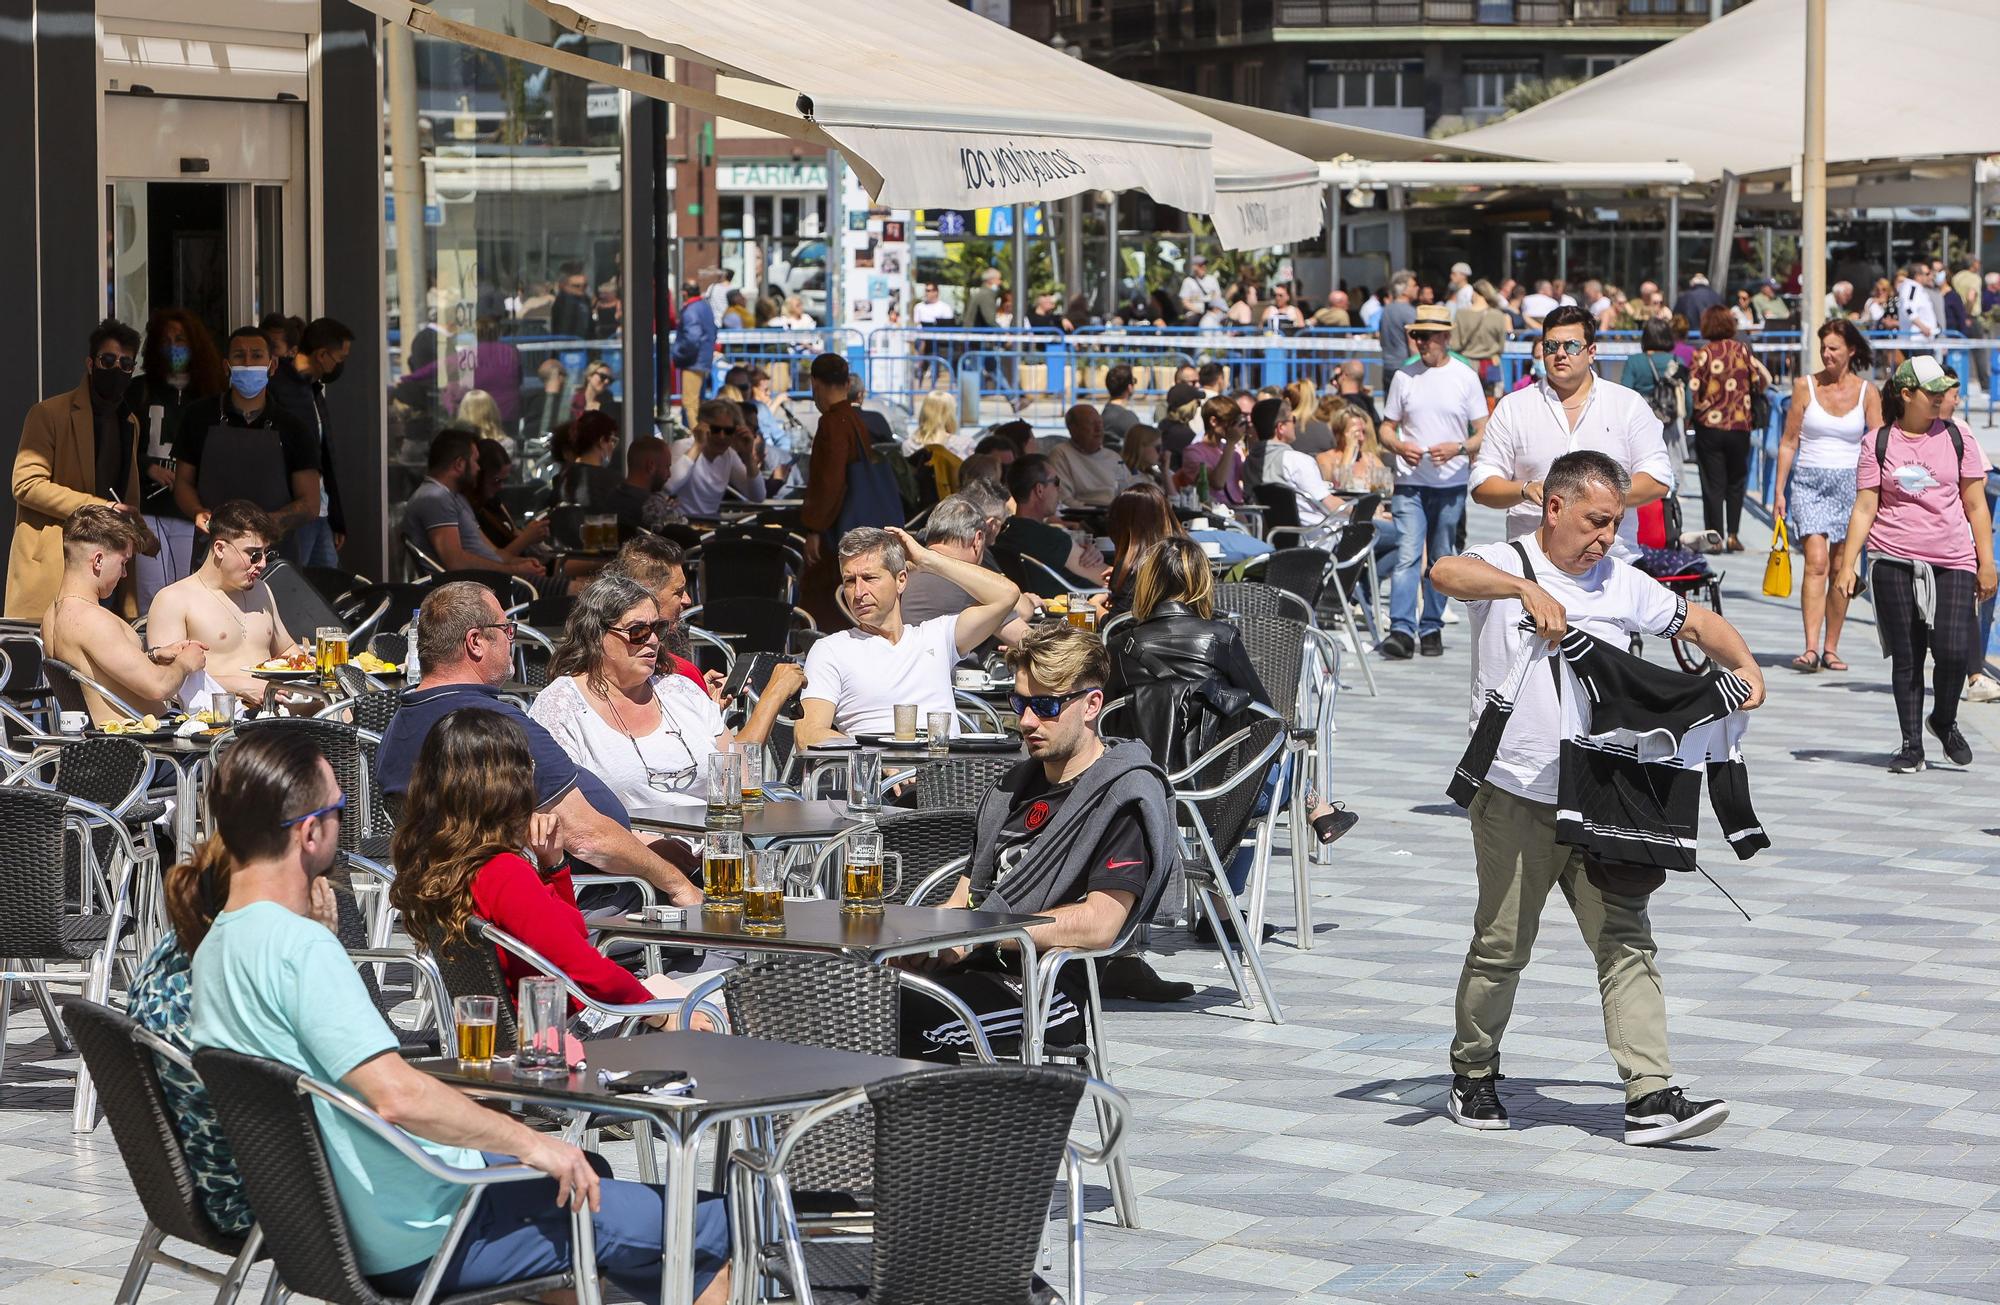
[{"x": 412, "y": 668}]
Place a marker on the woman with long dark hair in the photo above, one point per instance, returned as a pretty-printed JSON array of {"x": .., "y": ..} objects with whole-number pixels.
[
  {"x": 1139, "y": 517},
  {"x": 178, "y": 366},
  {"x": 468, "y": 816},
  {"x": 259, "y": 787},
  {"x": 1833, "y": 412},
  {"x": 1920, "y": 508}
]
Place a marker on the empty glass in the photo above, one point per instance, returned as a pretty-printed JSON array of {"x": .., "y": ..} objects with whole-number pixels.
[
  {"x": 937, "y": 733},
  {"x": 864, "y": 780},
  {"x": 763, "y": 893},
  {"x": 541, "y": 1016},
  {"x": 725, "y": 788}
]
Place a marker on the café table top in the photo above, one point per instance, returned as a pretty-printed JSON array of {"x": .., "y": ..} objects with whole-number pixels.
[
  {"x": 774, "y": 820},
  {"x": 196, "y": 743},
  {"x": 731, "y": 1074},
  {"x": 820, "y": 925}
]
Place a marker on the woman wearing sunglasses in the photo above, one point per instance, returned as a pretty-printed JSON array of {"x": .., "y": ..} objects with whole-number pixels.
[{"x": 616, "y": 705}]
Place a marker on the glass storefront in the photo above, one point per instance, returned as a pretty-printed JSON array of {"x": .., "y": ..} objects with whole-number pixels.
[{"x": 518, "y": 208}]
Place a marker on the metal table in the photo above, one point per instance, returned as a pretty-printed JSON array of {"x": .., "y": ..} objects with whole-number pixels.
[
  {"x": 774, "y": 822},
  {"x": 734, "y": 1078}
]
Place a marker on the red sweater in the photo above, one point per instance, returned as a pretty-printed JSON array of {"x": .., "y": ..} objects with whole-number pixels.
[
  {"x": 682, "y": 666},
  {"x": 509, "y": 892}
]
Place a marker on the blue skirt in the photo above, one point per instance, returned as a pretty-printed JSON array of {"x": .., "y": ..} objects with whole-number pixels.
[{"x": 1820, "y": 501}]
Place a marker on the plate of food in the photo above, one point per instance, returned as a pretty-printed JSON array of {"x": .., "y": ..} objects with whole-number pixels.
[
  {"x": 295, "y": 669},
  {"x": 374, "y": 665},
  {"x": 146, "y": 729}
]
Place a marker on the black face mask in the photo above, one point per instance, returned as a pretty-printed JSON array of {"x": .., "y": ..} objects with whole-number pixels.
[
  {"x": 108, "y": 385},
  {"x": 332, "y": 373}
]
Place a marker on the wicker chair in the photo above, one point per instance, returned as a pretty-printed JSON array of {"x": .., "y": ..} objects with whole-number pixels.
[
  {"x": 267, "y": 1113},
  {"x": 958, "y": 781},
  {"x": 734, "y": 565},
  {"x": 929, "y": 841},
  {"x": 1243, "y": 598},
  {"x": 1299, "y": 571},
  {"x": 122, "y": 1059},
  {"x": 68, "y": 683},
  {"x": 47, "y": 835},
  {"x": 961, "y": 1223}
]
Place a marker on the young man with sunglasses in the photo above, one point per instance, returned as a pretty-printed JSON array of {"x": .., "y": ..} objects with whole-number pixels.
[
  {"x": 1569, "y": 409},
  {"x": 76, "y": 448},
  {"x": 721, "y": 455},
  {"x": 1082, "y": 832},
  {"x": 226, "y": 605}
]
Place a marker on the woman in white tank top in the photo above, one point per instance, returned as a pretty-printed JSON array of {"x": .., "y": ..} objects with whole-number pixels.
[{"x": 1833, "y": 413}]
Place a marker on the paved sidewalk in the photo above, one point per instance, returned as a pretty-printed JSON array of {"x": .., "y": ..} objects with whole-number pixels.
[{"x": 1854, "y": 1024}]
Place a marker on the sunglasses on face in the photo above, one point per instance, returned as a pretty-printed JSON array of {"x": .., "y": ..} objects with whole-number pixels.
[
  {"x": 1046, "y": 706},
  {"x": 339, "y": 805},
  {"x": 640, "y": 633},
  {"x": 252, "y": 555},
  {"x": 123, "y": 362},
  {"x": 725, "y": 430},
  {"x": 1568, "y": 348}
]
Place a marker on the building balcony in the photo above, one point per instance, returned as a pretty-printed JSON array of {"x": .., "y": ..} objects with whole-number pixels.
[{"x": 1651, "y": 14}]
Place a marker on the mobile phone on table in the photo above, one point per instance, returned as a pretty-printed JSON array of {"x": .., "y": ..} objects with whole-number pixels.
[{"x": 633, "y": 1082}]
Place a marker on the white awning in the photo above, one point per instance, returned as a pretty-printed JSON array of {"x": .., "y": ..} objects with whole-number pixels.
[
  {"x": 1264, "y": 194},
  {"x": 932, "y": 105},
  {"x": 1322, "y": 140},
  {"x": 1730, "y": 96}
]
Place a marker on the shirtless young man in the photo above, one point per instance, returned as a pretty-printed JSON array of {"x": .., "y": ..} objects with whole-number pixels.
[
  {"x": 98, "y": 543},
  {"x": 225, "y": 603}
]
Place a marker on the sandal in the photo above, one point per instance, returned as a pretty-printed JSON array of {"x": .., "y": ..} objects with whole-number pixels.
[
  {"x": 1333, "y": 822},
  {"x": 1807, "y": 661},
  {"x": 1830, "y": 660}
]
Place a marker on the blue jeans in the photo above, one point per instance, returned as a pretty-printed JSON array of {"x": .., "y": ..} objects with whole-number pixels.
[
  {"x": 1425, "y": 515},
  {"x": 520, "y": 1232},
  {"x": 1275, "y": 793},
  {"x": 310, "y": 545}
]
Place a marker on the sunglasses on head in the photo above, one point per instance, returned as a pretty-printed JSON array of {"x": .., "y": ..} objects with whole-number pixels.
[
  {"x": 124, "y": 362},
  {"x": 1046, "y": 706}
]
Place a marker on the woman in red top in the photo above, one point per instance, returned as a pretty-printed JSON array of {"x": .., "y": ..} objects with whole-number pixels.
[
  {"x": 469, "y": 811},
  {"x": 1724, "y": 374}
]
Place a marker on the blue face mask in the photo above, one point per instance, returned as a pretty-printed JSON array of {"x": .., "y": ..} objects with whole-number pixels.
[
  {"x": 177, "y": 357},
  {"x": 249, "y": 381}
]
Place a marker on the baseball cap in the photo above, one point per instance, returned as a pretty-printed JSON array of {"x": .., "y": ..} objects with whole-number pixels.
[
  {"x": 1182, "y": 395},
  {"x": 1461, "y": 269},
  {"x": 1923, "y": 372}
]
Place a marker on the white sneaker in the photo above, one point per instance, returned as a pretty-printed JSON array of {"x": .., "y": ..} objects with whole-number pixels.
[
  {"x": 1450, "y": 616},
  {"x": 1982, "y": 688}
]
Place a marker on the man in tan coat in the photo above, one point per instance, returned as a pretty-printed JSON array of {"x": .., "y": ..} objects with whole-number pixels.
[{"x": 76, "y": 448}]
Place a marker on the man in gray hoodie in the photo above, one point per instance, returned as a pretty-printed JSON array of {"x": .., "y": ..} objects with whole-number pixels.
[{"x": 1081, "y": 832}]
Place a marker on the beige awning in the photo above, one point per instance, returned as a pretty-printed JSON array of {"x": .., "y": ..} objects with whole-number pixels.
[{"x": 1320, "y": 140}]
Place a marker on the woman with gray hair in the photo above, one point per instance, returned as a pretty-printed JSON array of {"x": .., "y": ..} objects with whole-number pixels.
[{"x": 619, "y": 709}]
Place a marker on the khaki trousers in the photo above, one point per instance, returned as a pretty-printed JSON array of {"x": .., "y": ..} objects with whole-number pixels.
[
  {"x": 692, "y": 385},
  {"x": 1518, "y": 858}
]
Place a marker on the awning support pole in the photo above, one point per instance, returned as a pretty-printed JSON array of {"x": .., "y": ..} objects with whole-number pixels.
[
  {"x": 1725, "y": 234},
  {"x": 836, "y": 253},
  {"x": 406, "y": 185},
  {"x": 1112, "y": 272},
  {"x": 1072, "y": 248},
  {"x": 1020, "y": 277},
  {"x": 1812, "y": 228},
  {"x": 1673, "y": 243},
  {"x": 1332, "y": 240}
]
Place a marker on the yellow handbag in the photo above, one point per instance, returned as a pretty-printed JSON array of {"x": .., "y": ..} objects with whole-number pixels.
[{"x": 1778, "y": 571}]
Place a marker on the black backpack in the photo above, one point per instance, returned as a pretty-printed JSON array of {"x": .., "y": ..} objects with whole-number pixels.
[{"x": 1882, "y": 447}]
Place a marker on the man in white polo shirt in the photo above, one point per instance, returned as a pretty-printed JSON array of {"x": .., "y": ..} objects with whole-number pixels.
[
  {"x": 1431, "y": 423},
  {"x": 1285, "y": 465},
  {"x": 855, "y": 679},
  {"x": 1571, "y": 408}
]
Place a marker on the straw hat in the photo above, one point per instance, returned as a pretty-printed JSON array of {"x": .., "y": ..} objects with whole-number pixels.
[{"x": 1430, "y": 317}]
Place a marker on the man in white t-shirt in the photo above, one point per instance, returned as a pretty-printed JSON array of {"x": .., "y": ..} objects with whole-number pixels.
[
  {"x": 933, "y": 311},
  {"x": 1570, "y": 408},
  {"x": 857, "y": 678},
  {"x": 1539, "y": 304},
  {"x": 1199, "y": 288},
  {"x": 721, "y": 455},
  {"x": 1285, "y": 465},
  {"x": 1460, "y": 288},
  {"x": 1513, "y": 816},
  {"x": 1432, "y": 422}
]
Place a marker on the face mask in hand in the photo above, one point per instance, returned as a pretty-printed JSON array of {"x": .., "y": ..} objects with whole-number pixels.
[
  {"x": 108, "y": 385},
  {"x": 249, "y": 381}
]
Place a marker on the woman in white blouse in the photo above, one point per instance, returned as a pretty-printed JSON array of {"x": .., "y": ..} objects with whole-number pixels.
[{"x": 647, "y": 732}]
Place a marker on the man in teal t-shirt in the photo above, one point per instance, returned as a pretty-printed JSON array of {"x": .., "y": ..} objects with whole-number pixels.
[{"x": 269, "y": 980}]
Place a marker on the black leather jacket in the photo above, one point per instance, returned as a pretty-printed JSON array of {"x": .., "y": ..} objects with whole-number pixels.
[{"x": 1182, "y": 673}]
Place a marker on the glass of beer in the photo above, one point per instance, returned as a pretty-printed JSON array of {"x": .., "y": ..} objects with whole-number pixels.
[
  {"x": 864, "y": 879},
  {"x": 477, "y": 1019},
  {"x": 542, "y": 1014},
  {"x": 753, "y": 776},
  {"x": 722, "y": 869},
  {"x": 725, "y": 789},
  {"x": 864, "y": 780},
  {"x": 763, "y": 894},
  {"x": 906, "y": 722},
  {"x": 937, "y": 733},
  {"x": 329, "y": 651}
]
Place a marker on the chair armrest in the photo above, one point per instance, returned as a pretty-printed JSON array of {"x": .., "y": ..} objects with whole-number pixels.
[
  {"x": 426, "y": 969},
  {"x": 635, "y": 1010},
  {"x": 949, "y": 870},
  {"x": 698, "y": 999},
  {"x": 402, "y": 1142}
]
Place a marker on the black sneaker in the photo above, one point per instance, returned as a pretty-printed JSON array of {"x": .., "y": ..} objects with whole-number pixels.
[
  {"x": 1475, "y": 1102},
  {"x": 1953, "y": 742},
  {"x": 1431, "y": 645},
  {"x": 1668, "y": 1116},
  {"x": 1130, "y": 978},
  {"x": 1399, "y": 647},
  {"x": 1909, "y": 761}
]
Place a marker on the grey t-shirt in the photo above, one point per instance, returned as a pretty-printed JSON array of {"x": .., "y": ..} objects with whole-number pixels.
[
  {"x": 1117, "y": 420},
  {"x": 434, "y": 505},
  {"x": 1315, "y": 437},
  {"x": 1393, "y": 328},
  {"x": 929, "y": 595}
]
